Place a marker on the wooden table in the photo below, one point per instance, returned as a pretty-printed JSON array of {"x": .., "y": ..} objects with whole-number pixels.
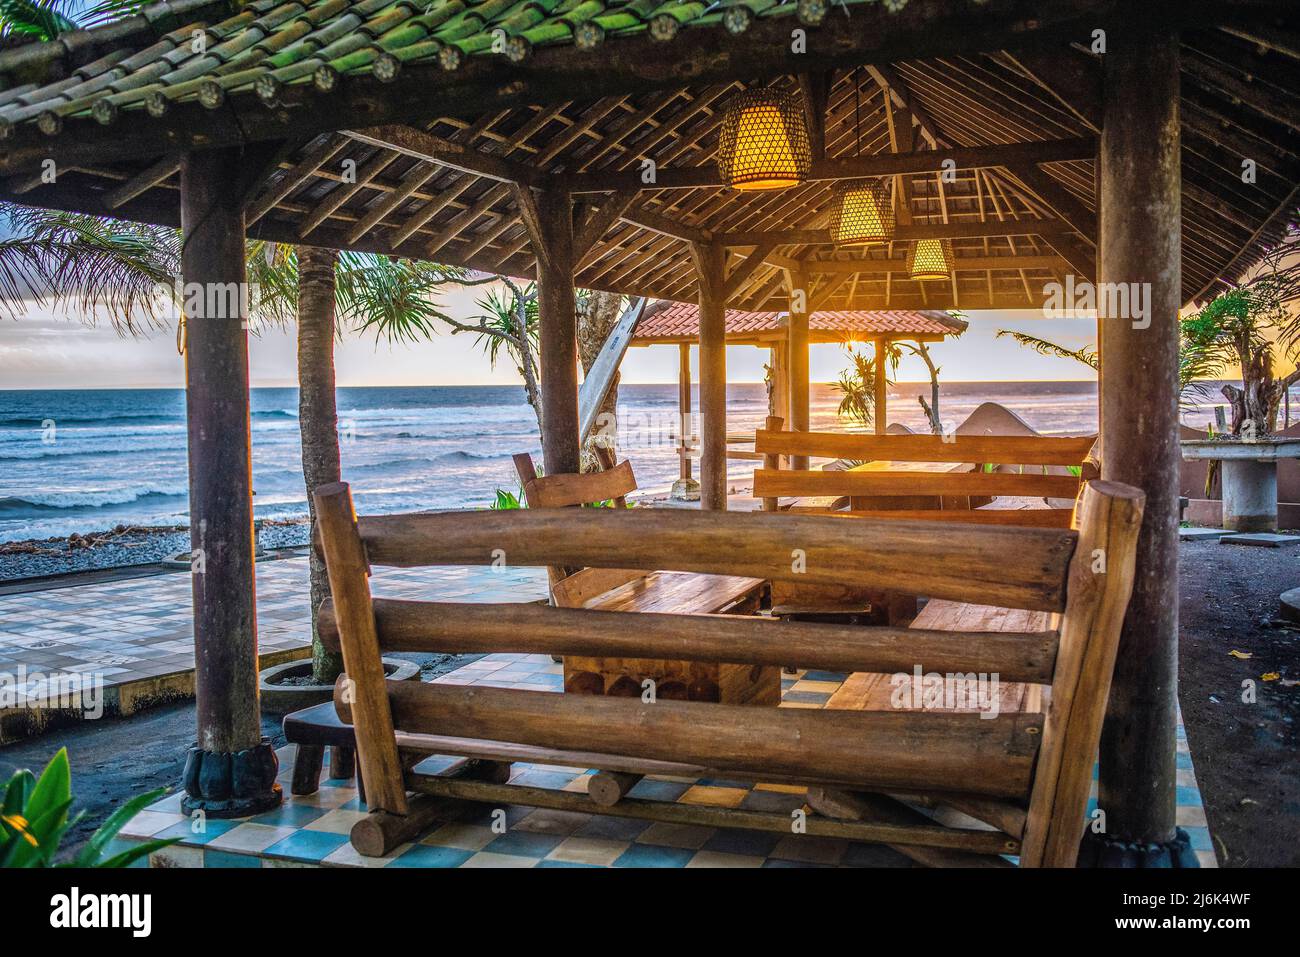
[
  {"x": 857, "y": 605},
  {"x": 680, "y": 593}
]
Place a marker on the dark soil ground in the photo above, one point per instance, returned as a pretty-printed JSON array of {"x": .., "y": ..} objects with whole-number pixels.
[{"x": 1247, "y": 756}]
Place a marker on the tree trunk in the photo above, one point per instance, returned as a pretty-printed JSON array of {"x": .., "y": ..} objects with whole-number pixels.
[
  {"x": 1255, "y": 408},
  {"x": 598, "y": 314},
  {"x": 317, "y": 417},
  {"x": 932, "y": 407}
]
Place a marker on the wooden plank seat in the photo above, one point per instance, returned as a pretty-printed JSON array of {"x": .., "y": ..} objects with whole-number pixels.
[
  {"x": 634, "y": 590},
  {"x": 1032, "y": 763},
  {"x": 875, "y": 691}
]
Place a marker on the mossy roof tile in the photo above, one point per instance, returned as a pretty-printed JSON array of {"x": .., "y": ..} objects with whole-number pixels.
[{"x": 289, "y": 39}]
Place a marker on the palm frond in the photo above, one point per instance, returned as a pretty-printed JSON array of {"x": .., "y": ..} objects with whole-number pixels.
[
  {"x": 34, "y": 18},
  {"x": 272, "y": 270},
  {"x": 499, "y": 322},
  {"x": 1087, "y": 355},
  {"x": 393, "y": 298},
  {"x": 92, "y": 263}
]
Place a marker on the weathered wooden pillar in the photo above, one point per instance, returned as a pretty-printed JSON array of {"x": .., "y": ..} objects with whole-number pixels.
[
  {"x": 710, "y": 266},
  {"x": 881, "y": 393},
  {"x": 231, "y": 770},
  {"x": 685, "y": 489},
  {"x": 685, "y": 429},
  {"x": 797, "y": 347},
  {"x": 1140, "y": 256},
  {"x": 778, "y": 359},
  {"x": 558, "y": 343}
]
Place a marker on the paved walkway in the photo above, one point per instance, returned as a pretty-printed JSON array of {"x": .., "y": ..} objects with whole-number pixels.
[{"x": 136, "y": 636}]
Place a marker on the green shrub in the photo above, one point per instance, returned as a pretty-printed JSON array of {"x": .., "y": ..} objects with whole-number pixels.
[{"x": 34, "y": 820}]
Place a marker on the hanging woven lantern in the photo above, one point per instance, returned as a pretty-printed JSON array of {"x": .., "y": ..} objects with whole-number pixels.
[
  {"x": 930, "y": 259},
  {"x": 861, "y": 212},
  {"x": 764, "y": 142}
]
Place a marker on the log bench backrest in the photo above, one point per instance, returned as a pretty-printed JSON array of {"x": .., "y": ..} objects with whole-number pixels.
[
  {"x": 1016, "y": 465},
  {"x": 1085, "y": 575},
  {"x": 572, "y": 587}
]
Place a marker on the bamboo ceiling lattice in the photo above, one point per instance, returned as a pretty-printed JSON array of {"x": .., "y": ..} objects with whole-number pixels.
[{"x": 399, "y": 126}]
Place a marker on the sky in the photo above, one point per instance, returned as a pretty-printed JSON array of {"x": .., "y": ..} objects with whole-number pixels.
[{"x": 44, "y": 350}]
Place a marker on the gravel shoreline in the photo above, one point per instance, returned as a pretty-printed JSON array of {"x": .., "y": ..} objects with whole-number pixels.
[{"x": 120, "y": 547}]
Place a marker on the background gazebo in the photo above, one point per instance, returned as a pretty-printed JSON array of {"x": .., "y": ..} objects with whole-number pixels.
[{"x": 787, "y": 340}]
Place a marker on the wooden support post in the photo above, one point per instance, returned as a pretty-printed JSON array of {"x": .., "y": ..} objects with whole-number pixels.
[
  {"x": 378, "y": 763},
  {"x": 881, "y": 398},
  {"x": 772, "y": 461},
  {"x": 797, "y": 348},
  {"x": 231, "y": 771},
  {"x": 1141, "y": 249},
  {"x": 548, "y": 218},
  {"x": 779, "y": 403},
  {"x": 684, "y": 406},
  {"x": 710, "y": 266}
]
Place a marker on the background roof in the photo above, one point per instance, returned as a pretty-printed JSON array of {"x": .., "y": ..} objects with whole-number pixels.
[{"x": 680, "y": 322}]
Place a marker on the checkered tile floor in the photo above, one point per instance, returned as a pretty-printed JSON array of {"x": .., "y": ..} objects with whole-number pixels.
[{"x": 313, "y": 830}]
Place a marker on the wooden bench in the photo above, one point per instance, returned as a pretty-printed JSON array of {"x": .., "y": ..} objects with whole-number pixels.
[
  {"x": 905, "y": 477},
  {"x": 634, "y": 590},
  {"x": 1031, "y": 764}
]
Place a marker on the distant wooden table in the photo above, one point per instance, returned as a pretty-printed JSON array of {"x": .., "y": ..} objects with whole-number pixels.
[
  {"x": 882, "y": 502},
  {"x": 858, "y": 605},
  {"x": 683, "y": 593}
]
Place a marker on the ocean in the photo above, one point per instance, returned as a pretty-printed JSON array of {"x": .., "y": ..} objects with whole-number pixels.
[{"x": 88, "y": 460}]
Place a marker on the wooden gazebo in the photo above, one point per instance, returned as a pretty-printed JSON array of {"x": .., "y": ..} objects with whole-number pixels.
[
  {"x": 787, "y": 338},
  {"x": 575, "y": 143}
]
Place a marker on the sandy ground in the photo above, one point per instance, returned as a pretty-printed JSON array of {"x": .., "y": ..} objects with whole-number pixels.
[{"x": 1245, "y": 754}]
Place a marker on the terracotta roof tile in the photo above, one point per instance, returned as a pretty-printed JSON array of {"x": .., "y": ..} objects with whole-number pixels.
[{"x": 682, "y": 320}]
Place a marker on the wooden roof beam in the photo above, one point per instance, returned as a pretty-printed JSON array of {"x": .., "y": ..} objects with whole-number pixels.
[
  {"x": 428, "y": 148},
  {"x": 1057, "y": 198},
  {"x": 973, "y": 230},
  {"x": 326, "y": 149},
  {"x": 854, "y": 167},
  {"x": 745, "y": 268},
  {"x": 142, "y": 182},
  {"x": 896, "y": 88},
  {"x": 1070, "y": 77},
  {"x": 815, "y": 89},
  {"x": 855, "y": 266}
]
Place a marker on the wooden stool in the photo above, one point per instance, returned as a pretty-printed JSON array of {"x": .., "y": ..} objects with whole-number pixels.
[{"x": 313, "y": 730}]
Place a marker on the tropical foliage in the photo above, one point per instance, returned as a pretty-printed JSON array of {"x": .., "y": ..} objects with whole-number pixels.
[
  {"x": 88, "y": 263},
  {"x": 857, "y": 383},
  {"x": 49, "y": 19},
  {"x": 857, "y": 387},
  {"x": 1194, "y": 364},
  {"x": 1251, "y": 326},
  {"x": 34, "y": 821}
]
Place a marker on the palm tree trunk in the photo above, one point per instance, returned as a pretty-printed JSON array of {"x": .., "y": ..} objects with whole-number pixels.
[
  {"x": 597, "y": 317},
  {"x": 317, "y": 416}
]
